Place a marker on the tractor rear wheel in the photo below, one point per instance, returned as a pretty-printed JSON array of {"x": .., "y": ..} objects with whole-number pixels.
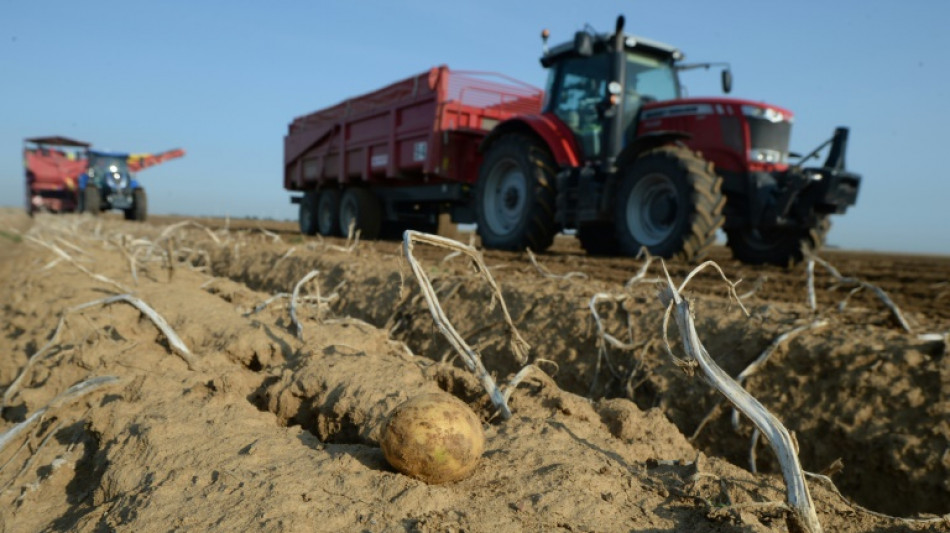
[
  {"x": 515, "y": 196},
  {"x": 361, "y": 208},
  {"x": 307, "y": 215},
  {"x": 91, "y": 201},
  {"x": 778, "y": 246},
  {"x": 328, "y": 213},
  {"x": 670, "y": 202},
  {"x": 139, "y": 209}
]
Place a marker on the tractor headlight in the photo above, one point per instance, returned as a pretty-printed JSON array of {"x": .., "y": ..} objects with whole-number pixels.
[
  {"x": 119, "y": 180},
  {"x": 764, "y": 155}
]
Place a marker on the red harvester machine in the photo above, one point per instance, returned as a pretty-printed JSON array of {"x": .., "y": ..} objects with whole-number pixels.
[{"x": 613, "y": 151}]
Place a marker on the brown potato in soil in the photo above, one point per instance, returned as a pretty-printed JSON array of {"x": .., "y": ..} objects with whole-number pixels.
[{"x": 434, "y": 437}]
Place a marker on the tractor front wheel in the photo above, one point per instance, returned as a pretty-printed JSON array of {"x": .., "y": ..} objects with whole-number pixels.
[
  {"x": 515, "y": 195},
  {"x": 777, "y": 246},
  {"x": 90, "y": 201},
  {"x": 670, "y": 202},
  {"x": 139, "y": 209}
]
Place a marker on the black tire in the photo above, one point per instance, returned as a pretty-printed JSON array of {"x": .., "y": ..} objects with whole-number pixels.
[
  {"x": 307, "y": 215},
  {"x": 515, "y": 195},
  {"x": 669, "y": 201},
  {"x": 139, "y": 209},
  {"x": 779, "y": 246},
  {"x": 328, "y": 213},
  {"x": 598, "y": 239},
  {"x": 91, "y": 201},
  {"x": 360, "y": 207}
]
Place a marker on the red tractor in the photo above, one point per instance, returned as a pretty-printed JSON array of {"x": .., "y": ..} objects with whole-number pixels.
[{"x": 620, "y": 156}]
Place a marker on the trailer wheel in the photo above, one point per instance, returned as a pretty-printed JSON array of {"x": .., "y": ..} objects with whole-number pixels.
[
  {"x": 515, "y": 195},
  {"x": 328, "y": 213},
  {"x": 598, "y": 239},
  {"x": 361, "y": 208},
  {"x": 139, "y": 209},
  {"x": 90, "y": 201},
  {"x": 307, "y": 215},
  {"x": 780, "y": 246},
  {"x": 670, "y": 202}
]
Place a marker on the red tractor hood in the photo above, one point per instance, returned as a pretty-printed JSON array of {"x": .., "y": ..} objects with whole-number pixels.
[{"x": 711, "y": 106}]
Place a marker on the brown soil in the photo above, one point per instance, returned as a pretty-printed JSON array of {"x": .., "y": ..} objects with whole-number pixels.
[{"x": 271, "y": 432}]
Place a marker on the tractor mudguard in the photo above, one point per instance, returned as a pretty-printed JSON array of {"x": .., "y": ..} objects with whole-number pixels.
[
  {"x": 648, "y": 141},
  {"x": 548, "y": 129}
]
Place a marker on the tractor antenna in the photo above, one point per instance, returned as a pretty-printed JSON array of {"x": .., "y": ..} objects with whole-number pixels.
[{"x": 545, "y": 33}]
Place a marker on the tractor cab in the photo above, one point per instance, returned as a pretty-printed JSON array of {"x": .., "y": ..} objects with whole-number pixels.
[{"x": 590, "y": 84}]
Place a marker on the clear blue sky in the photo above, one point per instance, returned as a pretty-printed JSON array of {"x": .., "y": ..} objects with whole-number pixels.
[{"x": 223, "y": 79}]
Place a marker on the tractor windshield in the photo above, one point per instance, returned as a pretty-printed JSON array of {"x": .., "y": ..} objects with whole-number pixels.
[
  {"x": 102, "y": 165},
  {"x": 578, "y": 85}
]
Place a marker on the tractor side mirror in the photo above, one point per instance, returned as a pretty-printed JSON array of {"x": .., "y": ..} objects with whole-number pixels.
[
  {"x": 583, "y": 44},
  {"x": 726, "y": 81}
]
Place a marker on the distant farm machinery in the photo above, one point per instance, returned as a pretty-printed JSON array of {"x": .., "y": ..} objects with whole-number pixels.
[{"x": 64, "y": 175}]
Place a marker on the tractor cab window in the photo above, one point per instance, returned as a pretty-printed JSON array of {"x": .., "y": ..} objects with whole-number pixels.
[
  {"x": 648, "y": 79},
  {"x": 114, "y": 170},
  {"x": 577, "y": 86}
]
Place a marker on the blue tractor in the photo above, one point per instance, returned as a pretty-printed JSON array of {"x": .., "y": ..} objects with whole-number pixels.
[{"x": 108, "y": 183}]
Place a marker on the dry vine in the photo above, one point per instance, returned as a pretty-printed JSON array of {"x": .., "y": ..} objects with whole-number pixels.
[
  {"x": 471, "y": 358},
  {"x": 797, "y": 495}
]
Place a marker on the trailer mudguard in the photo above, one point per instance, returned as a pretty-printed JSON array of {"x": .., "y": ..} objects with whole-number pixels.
[{"x": 548, "y": 128}]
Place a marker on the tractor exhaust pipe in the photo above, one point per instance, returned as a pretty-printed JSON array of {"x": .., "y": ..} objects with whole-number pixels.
[{"x": 614, "y": 98}]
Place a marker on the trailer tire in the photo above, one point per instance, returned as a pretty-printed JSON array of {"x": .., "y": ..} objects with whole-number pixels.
[
  {"x": 782, "y": 247},
  {"x": 360, "y": 207},
  {"x": 139, "y": 209},
  {"x": 515, "y": 195},
  {"x": 328, "y": 213},
  {"x": 307, "y": 214},
  {"x": 669, "y": 201},
  {"x": 90, "y": 201}
]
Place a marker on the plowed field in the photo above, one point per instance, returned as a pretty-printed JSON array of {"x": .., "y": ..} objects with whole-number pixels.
[{"x": 246, "y": 426}]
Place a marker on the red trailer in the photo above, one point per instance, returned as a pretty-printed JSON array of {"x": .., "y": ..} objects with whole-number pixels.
[
  {"x": 401, "y": 154},
  {"x": 53, "y": 167}
]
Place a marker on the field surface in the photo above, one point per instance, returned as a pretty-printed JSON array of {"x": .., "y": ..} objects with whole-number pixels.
[{"x": 206, "y": 401}]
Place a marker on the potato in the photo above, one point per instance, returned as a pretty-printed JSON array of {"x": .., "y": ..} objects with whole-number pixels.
[{"x": 434, "y": 437}]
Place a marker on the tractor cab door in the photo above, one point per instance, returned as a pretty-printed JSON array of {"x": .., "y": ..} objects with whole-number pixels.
[{"x": 577, "y": 87}]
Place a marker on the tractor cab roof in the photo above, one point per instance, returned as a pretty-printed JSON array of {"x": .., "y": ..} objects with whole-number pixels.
[
  {"x": 602, "y": 40},
  {"x": 57, "y": 140}
]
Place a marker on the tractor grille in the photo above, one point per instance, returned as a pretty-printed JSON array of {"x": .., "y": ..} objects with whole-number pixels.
[{"x": 768, "y": 135}]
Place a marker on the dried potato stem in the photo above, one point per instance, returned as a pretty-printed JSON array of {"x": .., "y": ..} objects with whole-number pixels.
[
  {"x": 843, "y": 280},
  {"x": 471, "y": 358},
  {"x": 174, "y": 340},
  {"x": 547, "y": 273},
  {"x": 168, "y": 230},
  {"x": 68, "y": 258},
  {"x": 76, "y": 391},
  {"x": 797, "y": 495}
]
